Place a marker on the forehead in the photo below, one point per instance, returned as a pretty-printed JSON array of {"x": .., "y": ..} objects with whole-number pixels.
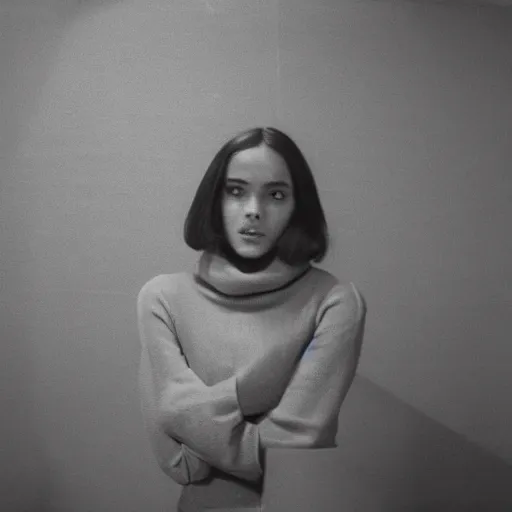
[{"x": 258, "y": 165}]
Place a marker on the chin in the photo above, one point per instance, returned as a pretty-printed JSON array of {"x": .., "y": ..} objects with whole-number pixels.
[
  {"x": 247, "y": 251},
  {"x": 250, "y": 253}
]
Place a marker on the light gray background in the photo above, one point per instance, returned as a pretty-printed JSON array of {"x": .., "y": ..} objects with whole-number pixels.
[{"x": 110, "y": 113}]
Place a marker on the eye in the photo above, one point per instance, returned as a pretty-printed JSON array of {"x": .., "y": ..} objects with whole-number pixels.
[
  {"x": 230, "y": 190},
  {"x": 282, "y": 194},
  {"x": 238, "y": 192}
]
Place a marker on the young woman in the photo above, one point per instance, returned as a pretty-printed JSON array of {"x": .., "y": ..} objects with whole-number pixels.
[{"x": 256, "y": 349}]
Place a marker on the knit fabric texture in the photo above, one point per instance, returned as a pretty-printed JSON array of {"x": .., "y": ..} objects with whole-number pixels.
[{"x": 209, "y": 335}]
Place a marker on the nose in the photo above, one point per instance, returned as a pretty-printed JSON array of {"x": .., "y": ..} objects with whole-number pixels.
[{"x": 252, "y": 209}]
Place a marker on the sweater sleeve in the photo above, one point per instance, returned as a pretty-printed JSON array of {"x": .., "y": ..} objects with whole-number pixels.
[
  {"x": 307, "y": 414},
  {"x": 192, "y": 425},
  {"x": 175, "y": 459}
]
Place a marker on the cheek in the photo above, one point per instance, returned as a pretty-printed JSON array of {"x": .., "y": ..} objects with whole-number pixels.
[
  {"x": 231, "y": 219},
  {"x": 282, "y": 217},
  {"x": 228, "y": 212},
  {"x": 287, "y": 212}
]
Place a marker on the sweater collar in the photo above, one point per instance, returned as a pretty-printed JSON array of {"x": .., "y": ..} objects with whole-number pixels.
[{"x": 215, "y": 271}]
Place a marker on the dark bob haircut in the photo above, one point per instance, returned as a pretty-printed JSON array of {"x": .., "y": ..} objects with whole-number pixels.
[{"x": 304, "y": 239}]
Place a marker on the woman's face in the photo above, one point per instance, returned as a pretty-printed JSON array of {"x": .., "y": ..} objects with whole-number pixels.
[{"x": 258, "y": 193}]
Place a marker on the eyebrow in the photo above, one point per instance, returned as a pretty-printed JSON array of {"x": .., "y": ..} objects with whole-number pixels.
[{"x": 268, "y": 184}]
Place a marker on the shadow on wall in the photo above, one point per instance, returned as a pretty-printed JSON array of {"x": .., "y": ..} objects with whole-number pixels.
[
  {"x": 412, "y": 463},
  {"x": 31, "y": 32},
  {"x": 389, "y": 458}
]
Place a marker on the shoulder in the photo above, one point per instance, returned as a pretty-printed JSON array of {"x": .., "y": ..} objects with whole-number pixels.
[
  {"x": 164, "y": 286},
  {"x": 342, "y": 300}
]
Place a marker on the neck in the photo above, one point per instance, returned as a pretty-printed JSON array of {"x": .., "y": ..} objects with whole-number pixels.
[
  {"x": 222, "y": 276},
  {"x": 247, "y": 265}
]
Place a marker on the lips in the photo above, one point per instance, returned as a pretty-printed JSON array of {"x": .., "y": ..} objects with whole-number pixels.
[
  {"x": 255, "y": 235},
  {"x": 248, "y": 231}
]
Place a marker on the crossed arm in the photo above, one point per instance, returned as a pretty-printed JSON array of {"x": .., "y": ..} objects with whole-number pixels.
[{"x": 193, "y": 426}]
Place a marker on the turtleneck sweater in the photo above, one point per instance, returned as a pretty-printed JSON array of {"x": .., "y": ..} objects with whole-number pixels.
[{"x": 221, "y": 338}]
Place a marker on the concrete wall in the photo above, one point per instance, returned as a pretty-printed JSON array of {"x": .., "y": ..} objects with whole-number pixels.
[{"x": 110, "y": 113}]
